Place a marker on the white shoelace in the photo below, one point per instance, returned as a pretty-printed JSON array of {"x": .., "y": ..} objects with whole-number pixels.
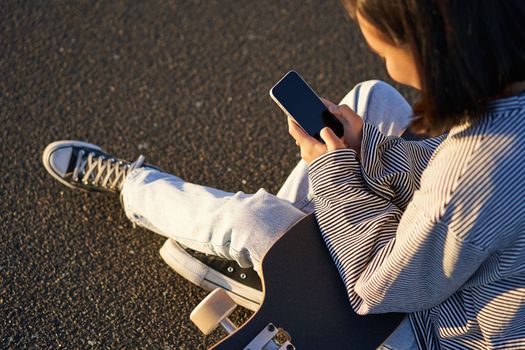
[{"x": 108, "y": 173}]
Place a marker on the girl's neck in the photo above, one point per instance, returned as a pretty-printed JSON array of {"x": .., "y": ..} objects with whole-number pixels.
[{"x": 514, "y": 89}]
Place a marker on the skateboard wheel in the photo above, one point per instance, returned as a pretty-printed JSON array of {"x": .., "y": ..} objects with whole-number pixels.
[{"x": 212, "y": 310}]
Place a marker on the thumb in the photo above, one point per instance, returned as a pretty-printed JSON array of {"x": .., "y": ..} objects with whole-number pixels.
[{"x": 332, "y": 141}]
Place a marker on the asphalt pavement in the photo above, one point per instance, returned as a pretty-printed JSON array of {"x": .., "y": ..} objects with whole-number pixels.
[{"x": 183, "y": 82}]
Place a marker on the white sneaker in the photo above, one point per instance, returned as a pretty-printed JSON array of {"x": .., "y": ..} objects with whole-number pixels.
[{"x": 85, "y": 166}]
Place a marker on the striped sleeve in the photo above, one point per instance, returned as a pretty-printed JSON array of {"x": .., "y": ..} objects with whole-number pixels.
[
  {"x": 385, "y": 266},
  {"x": 391, "y": 166}
]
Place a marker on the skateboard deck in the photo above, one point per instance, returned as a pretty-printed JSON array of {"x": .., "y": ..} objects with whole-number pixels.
[{"x": 305, "y": 296}]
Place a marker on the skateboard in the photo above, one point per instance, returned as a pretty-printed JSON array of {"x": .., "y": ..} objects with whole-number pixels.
[{"x": 305, "y": 304}]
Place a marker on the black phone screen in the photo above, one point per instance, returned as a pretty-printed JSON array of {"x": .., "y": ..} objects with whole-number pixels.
[{"x": 304, "y": 106}]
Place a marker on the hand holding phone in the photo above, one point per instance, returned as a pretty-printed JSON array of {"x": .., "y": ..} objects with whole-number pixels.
[
  {"x": 312, "y": 149},
  {"x": 302, "y": 104}
]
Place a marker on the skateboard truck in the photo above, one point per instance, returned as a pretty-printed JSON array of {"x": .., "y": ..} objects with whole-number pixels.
[
  {"x": 214, "y": 310},
  {"x": 270, "y": 339}
]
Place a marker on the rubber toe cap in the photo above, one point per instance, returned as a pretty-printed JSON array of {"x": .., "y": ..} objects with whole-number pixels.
[{"x": 59, "y": 160}]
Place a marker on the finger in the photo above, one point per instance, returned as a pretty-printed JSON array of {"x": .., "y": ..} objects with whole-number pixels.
[
  {"x": 330, "y": 138},
  {"x": 346, "y": 116},
  {"x": 343, "y": 111},
  {"x": 296, "y": 131},
  {"x": 327, "y": 102}
]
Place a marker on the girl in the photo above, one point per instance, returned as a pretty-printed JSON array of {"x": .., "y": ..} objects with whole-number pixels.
[
  {"x": 432, "y": 228},
  {"x": 435, "y": 228}
]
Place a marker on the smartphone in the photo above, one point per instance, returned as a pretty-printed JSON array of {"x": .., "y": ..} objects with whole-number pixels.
[{"x": 302, "y": 104}]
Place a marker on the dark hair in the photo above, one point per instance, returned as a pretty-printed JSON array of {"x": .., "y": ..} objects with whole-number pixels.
[{"x": 466, "y": 52}]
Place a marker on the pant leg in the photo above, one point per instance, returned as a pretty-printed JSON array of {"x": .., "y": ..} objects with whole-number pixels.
[
  {"x": 236, "y": 226},
  {"x": 403, "y": 338},
  {"x": 297, "y": 190},
  {"x": 241, "y": 226}
]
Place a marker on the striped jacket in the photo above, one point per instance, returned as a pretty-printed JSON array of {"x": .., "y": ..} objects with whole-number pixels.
[{"x": 434, "y": 228}]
